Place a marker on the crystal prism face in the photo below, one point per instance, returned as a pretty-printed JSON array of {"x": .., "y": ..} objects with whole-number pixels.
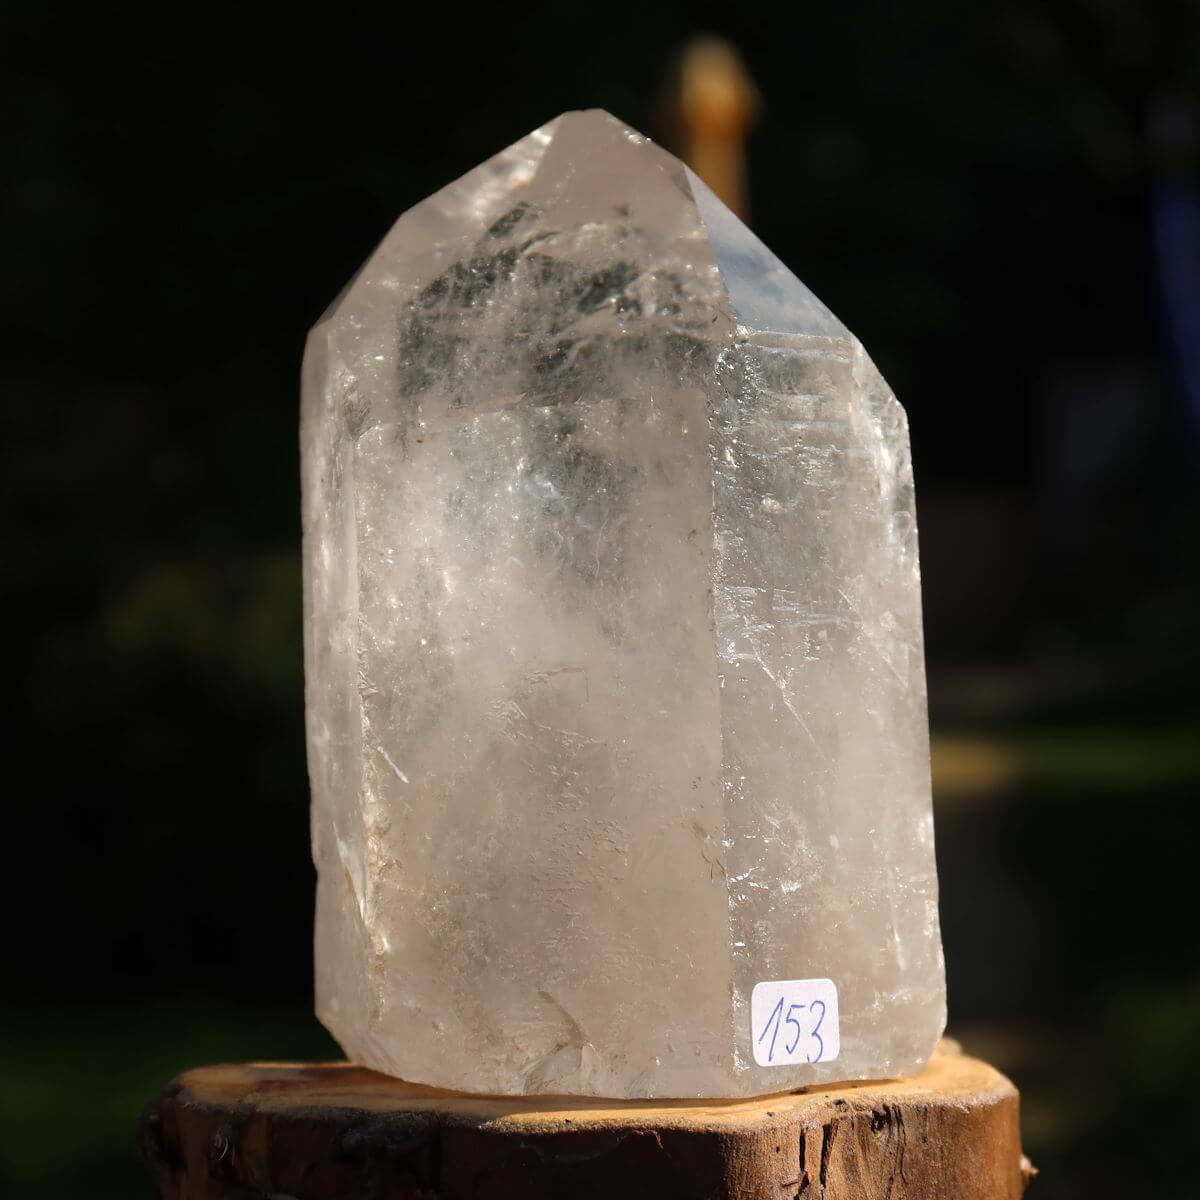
[{"x": 615, "y": 678}]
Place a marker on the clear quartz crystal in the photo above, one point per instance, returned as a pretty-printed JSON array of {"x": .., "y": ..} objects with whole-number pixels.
[{"x": 615, "y": 679}]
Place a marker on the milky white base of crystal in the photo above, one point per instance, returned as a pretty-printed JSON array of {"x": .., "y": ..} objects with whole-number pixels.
[{"x": 615, "y": 676}]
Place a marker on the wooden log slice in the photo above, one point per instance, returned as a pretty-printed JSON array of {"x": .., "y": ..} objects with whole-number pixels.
[{"x": 340, "y": 1132}]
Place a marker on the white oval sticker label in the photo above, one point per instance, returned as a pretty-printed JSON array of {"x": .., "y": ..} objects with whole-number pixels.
[{"x": 794, "y": 1021}]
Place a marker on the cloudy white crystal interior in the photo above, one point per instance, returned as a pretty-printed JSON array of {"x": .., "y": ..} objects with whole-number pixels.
[{"x": 615, "y": 679}]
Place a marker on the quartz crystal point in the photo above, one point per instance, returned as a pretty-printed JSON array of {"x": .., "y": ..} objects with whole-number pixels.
[{"x": 615, "y": 679}]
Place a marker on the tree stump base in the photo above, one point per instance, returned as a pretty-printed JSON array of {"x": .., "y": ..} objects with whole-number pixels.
[{"x": 340, "y": 1132}]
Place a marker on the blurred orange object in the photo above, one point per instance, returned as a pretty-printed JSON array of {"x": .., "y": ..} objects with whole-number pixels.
[{"x": 718, "y": 104}]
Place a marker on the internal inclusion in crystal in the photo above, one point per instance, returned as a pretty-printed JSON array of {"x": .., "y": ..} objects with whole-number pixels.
[{"x": 615, "y": 677}]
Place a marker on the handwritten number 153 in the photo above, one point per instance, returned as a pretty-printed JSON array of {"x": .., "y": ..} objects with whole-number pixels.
[{"x": 816, "y": 1014}]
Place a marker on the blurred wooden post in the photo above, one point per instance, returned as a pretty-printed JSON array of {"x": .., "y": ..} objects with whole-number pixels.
[
  {"x": 340, "y": 1132},
  {"x": 716, "y": 106}
]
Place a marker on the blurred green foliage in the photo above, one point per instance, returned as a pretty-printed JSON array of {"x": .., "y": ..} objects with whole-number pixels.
[{"x": 75, "y": 1081}]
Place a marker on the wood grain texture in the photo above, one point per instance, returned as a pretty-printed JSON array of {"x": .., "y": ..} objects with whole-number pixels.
[{"x": 340, "y": 1132}]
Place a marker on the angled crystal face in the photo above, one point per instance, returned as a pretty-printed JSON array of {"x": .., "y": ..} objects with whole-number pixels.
[{"x": 615, "y": 679}]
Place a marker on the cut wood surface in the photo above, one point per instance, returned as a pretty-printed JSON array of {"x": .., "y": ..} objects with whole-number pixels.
[{"x": 336, "y": 1131}]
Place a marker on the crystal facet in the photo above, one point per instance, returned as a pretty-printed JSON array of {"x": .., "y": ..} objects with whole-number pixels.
[{"x": 615, "y": 678}]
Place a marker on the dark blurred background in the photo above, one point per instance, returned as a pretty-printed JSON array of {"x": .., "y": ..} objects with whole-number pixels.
[{"x": 1002, "y": 200}]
